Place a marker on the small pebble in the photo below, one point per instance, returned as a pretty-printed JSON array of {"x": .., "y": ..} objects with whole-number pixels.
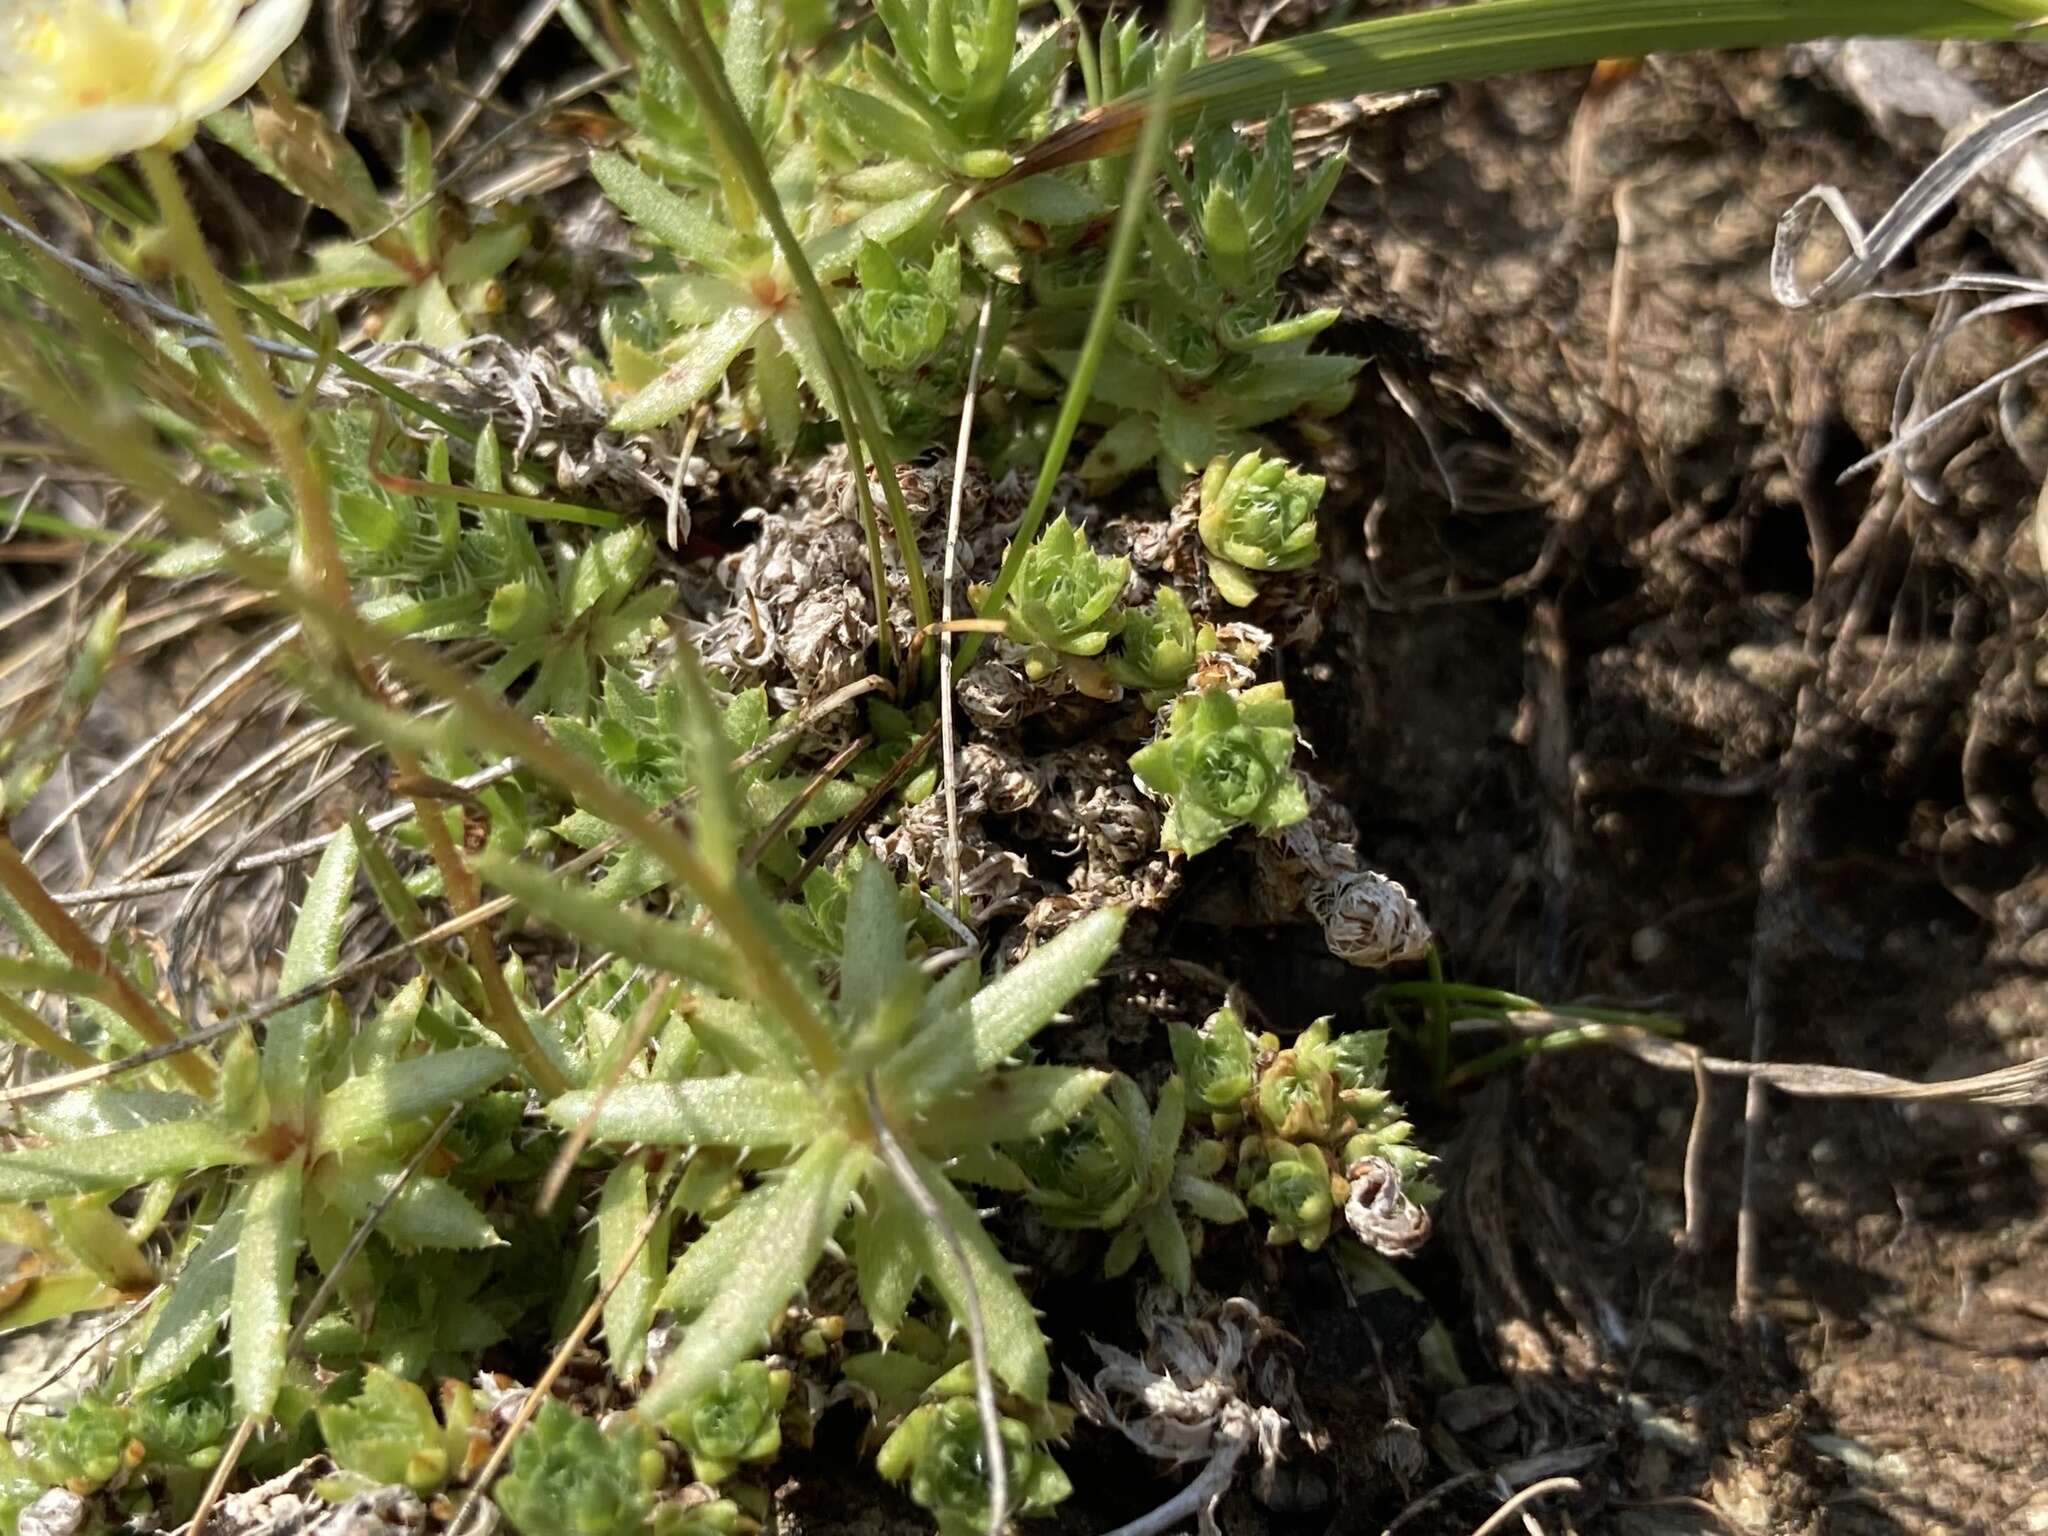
[
  {"x": 59, "y": 1512},
  {"x": 1646, "y": 946}
]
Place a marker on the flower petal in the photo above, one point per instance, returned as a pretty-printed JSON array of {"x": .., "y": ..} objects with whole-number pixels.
[
  {"x": 84, "y": 139},
  {"x": 185, "y": 29},
  {"x": 266, "y": 29}
]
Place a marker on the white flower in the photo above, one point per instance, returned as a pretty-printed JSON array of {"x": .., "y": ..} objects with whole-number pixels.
[{"x": 84, "y": 80}]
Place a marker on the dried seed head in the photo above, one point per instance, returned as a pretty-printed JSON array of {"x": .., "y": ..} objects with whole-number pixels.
[
  {"x": 1380, "y": 1213},
  {"x": 1313, "y": 866}
]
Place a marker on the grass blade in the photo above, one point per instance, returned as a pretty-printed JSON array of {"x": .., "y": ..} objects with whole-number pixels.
[{"x": 1492, "y": 37}]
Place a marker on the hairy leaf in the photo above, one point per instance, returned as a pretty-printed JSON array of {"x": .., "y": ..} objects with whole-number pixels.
[
  {"x": 197, "y": 1302},
  {"x": 118, "y": 1161},
  {"x": 621, "y": 1208},
  {"x": 729, "y": 1111},
  {"x": 426, "y": 1213},
  {"x": 669, "y": 946},
  {"x": 1016, "y": 1348},
  {"x": 1007, "y": 1012},
  {"x": 385, "y": 1097},
  {"x": 313, "y": 951},
  {"x": 264, "y": 1261},
  {"x": 788, "y": 1226}
]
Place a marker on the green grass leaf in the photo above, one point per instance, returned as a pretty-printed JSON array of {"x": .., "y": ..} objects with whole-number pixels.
[
  {"x": 1489, "y": 37},
  {"x": 1493, "y": 37}
]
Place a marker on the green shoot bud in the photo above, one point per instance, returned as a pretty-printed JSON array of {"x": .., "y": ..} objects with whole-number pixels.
[
  {"x": 1224, "y": 762},
  {"x": 1257, "y": 515}
]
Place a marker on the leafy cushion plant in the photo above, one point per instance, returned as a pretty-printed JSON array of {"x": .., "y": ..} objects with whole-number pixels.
[
  {"x": 311, "y": 1144},
  {"x": 684, "y": 1082}
]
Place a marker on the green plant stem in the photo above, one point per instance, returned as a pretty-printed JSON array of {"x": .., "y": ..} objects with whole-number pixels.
[
  {"x": 318, "y": 552},
  {"x": 83, "y": 533},
  {"x": 1439, "y": 1036},
  {"x": 1084, "y": 50},
  {"x": 1552, "y": 1040},
  {"x": 688, "y": 41},
  {"x": 499, "y": 728},
  {"x": 24, "y": 1021},
  {"x": 317, "y": 564},
  {"x": 871, "y": 537},
  {"x": 459, "y": 884},
  {"x": 503, "y": 730},
  {"x": 142, "y": 1016},
  {"x": 1438, "y": 990},
  {"x": 537, "y": 508},
  {"x": 1123, "y": 250},
  {"x": 124, "y": 445},
  {"x": 361, "y": 372}
]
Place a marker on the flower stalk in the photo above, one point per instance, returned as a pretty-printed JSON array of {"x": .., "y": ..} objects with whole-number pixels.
[{"x": 141, "y": 1015}]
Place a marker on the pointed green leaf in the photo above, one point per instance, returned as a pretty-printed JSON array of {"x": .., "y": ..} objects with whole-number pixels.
[
  {"x": 1168, "y": 1120},
  {"x": 731, "y": 1111},
  {"x": 886, "y": 129},
  {"x": 683, "y": 224},
  {"x": 427, "y": 1213},
  {"x": 716, "y": 819},
  {"x": 197, "y": 1302},
  {"x": 669, "y": 946},
  {"x": 485, "y": 254},
  {"x": 790, "y": 1223},
  {"x": 117, "y": 1161},
  {"x": 99, "y": 1111},
  {"x": 741, "y": 1036},
  {"x": 264, "y": 1261},
  {"x": 778, "y": 384},
  {"x": 694, "y": 373},
  {"x": 1020, "y": 1104},
  {"x": 1168, "y": 1242},
  {"x": 313, "y": 951},
  {"x": 386, "y": 1097},
  {"x": 1208, "y": 1200},
  {"x": 886, "y": 1257},
  {"x": 621, "y": 1208},
  {"x": 747, "y": 56},
  {"x": 833, "y": 253},
  {"x": 1008, "y": 1011},
  {"x": 1016, "y": 1349},
  {"x": 871, "y": 963}
]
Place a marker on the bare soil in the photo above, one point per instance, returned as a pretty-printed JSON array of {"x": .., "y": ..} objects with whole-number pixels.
[{"x": 1564, "y": 688}]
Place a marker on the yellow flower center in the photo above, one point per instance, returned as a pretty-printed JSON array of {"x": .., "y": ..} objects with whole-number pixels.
[{"x": 83, "y": 54}]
